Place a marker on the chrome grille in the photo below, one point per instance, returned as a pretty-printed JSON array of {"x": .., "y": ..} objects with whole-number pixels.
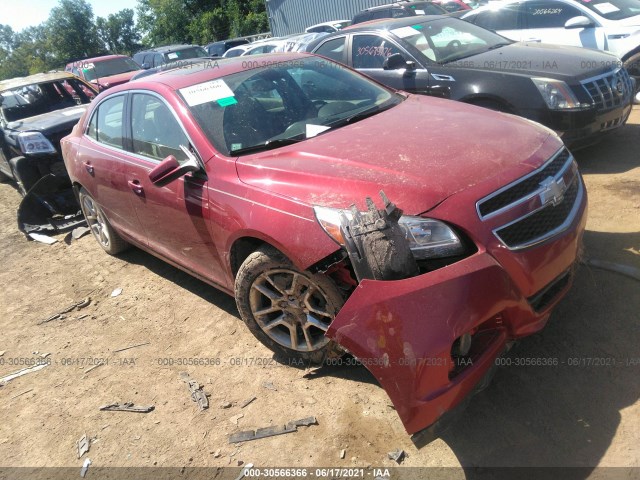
[
  {"x": 536, "y": 227},
  {"x": 610, "y": 90},
  {"x": 523, "y": 187},
  {"x": 537, "y": 206}
]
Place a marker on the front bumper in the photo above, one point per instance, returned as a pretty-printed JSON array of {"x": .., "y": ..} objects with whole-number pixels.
[
  {"x": 403, "y": 330},
  {"x": 579, "y": 129}
]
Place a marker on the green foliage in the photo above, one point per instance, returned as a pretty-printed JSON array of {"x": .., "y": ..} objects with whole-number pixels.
[
  {"x": 200, "y": 21},
  {"x": 118, "y": 31},
  {"x": 71, "y": 33}
]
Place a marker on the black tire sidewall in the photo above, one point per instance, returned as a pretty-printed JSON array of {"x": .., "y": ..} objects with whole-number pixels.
[{"x": 261, "y": 261}]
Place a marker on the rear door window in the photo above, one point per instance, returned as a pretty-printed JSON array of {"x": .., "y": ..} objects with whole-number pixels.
[
  {"x": 108, "y": 126},
  {"x": 505, "y": 18},
  {"x": 370, "y": 51},
  {"x": 546, "y": 14}
]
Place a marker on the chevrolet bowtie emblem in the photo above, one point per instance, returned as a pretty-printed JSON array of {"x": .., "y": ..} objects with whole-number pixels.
[{"x": 553, "y": 191}]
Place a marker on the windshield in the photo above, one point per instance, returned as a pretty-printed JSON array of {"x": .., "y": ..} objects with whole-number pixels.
[
  {"x": 449, "y": 39},
  {"x": 613, "y": 9},
  {"x": 40, "y": 98},
  {"x": 107, "y": 68},
  {"x": 186, "y": 54},
  {"x": 282, "y": 103}
]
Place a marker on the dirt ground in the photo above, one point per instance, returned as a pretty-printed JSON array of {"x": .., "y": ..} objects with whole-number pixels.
[{"x": 586, "y": 415}]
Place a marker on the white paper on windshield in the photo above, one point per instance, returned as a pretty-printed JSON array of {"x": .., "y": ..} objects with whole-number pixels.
[
  {"x": 313, "y": 130},
  {"x": 606, "y": 7},
  {"x": 419, "y": 12},
  {"x": 404, "y": 32},
  {"x": 172, "y": 56},
  {"x": 74, "y": 111},
  {"x": 206, "y": 92}
]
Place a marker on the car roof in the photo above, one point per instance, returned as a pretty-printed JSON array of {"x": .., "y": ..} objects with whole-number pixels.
[
  {"x": 330, "y": 24},
  {"x": 212, "y": 69},
  {"x": 33, "y": 79},
  {"x": 95, "y": 59},
  {"x": 389, "y": 23},
  {"x": 167, "y": 48},
  {"x": 395, "y": 4}
]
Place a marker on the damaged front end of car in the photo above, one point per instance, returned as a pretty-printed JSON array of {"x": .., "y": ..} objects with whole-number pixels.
[{"x": 430, "y": 335}]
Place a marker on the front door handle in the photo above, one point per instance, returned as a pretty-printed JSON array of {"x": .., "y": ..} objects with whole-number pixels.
[
  {"x": 136, "y": 187},
  {"x": 533, "y": 39},
  {"x": 89, "y": 168}
]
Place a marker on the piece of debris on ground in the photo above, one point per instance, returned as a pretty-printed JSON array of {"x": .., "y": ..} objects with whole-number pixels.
[
  {"x": 79, "y": 232},
  {"x": 270, "y": 386},
  {"x": 132, "y": 346},
  {"x": 99, "y": 364},
  {"x": 38, "y": 237},
  {"x": 197, "y": 394},
  {"x": 235, "y": 418},
  {"x": 248, "y": 401},
  {"x": 343, "y": 452},
  {"x": 116, "y": 292},
  {"x": 397, "y": 456},
  {"x": 22, "y": 372},
  {"x": 85, "y": 467},
  {"x": 61, "y": 314},
  {"x": 126, "y": 407},
  {"x": 226, "y": 405},
  {"x": 23, "y": 393},
  {"x": 82, "y": 445},
  {"x": 248, "y": 435}
]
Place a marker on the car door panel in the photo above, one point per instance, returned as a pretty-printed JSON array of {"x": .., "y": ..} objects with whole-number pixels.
[{"x": 186, "y": 238}]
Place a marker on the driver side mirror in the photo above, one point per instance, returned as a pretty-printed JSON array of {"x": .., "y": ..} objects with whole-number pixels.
[
  {"x": 145, "y": 66},
  {"x": 170, "y": 169},
  {"x": 396, "y": 62},
  {"x": 579, "y": 22}
]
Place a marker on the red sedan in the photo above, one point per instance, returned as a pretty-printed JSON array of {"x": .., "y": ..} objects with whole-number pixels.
[
  {"x": 106, "y": 71},
  {"x": 343, "y": 216}
]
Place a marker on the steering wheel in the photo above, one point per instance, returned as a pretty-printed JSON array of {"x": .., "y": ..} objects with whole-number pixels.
[{"x": 454, "y": 44}]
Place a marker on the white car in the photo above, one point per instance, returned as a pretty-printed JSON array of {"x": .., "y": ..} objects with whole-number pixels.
[
  {"x": 328, "y": 27},
  {"x": 611, "y": 25}
]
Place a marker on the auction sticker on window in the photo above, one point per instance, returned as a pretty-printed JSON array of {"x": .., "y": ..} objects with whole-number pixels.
[
  {"x": 206, "y": 92},
  {"x": 404, "y": 32}
]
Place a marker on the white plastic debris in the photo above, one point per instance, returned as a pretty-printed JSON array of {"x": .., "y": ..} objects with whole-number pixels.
[
  {"x": 38, "y": 237},
  {"x": 116, "y": 292},
  {"x": 85, "y": 467}
]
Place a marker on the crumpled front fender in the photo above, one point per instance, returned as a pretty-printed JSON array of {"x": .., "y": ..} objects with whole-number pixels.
[{"x": 403, "y": 332}]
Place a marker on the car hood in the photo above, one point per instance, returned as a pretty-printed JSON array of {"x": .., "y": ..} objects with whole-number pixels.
[
  {"x": 113, "y": 80},
  {"x": 52, "y": 122},
  {"x": 544, "y": 60},
  {"x": 419, "y": 153}
]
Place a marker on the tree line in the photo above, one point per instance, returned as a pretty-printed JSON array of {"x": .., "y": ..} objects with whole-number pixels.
[{"x": 72, "y": 31}]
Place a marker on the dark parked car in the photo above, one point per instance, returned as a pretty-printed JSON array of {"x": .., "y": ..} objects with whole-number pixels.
[
  {"x": 398, "y": 10},
  {"x": 256, "y": 180},
  {"x": 217, "y": 49},
  {"x": 104, "y": 72},
  {"x": 579, "y": 93},
  {"x": 35, "y": 113},
  {"x": 169, "y": 55}
]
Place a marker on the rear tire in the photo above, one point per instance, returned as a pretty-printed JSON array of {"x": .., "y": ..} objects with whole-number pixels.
[
  {"x": 286, "y": 309},
  {"x": 103, "y": 232}
]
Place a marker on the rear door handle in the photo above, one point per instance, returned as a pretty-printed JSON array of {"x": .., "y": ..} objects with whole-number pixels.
[
  {"x": 533, "y": 39},
  {"x": 136, "y": 187},
  {"x": 89, "y": 168}
]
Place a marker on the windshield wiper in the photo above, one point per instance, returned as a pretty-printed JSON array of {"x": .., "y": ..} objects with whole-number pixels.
[
  {"x": 268, "y": 145},
  {"x": 498, "y": 45},
  {"x": 369, "y": 112}
]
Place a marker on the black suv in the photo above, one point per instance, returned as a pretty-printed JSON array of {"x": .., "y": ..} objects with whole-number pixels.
[
  {"x": 35, "y": 113},
  {"x": 398, "y": 10},
  {"x": 166, "y": 56}
]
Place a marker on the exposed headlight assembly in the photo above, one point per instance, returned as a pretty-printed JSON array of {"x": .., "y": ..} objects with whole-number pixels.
[
  {"x": 557, "y": 94},
  {"x": 427, "y": 238},
  {"x": 34, "y": 142}
]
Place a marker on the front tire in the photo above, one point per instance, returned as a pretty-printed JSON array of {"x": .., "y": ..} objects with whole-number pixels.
[
  {"x": 286, "y": 309},
  {"x": 102, "y": 230}
]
